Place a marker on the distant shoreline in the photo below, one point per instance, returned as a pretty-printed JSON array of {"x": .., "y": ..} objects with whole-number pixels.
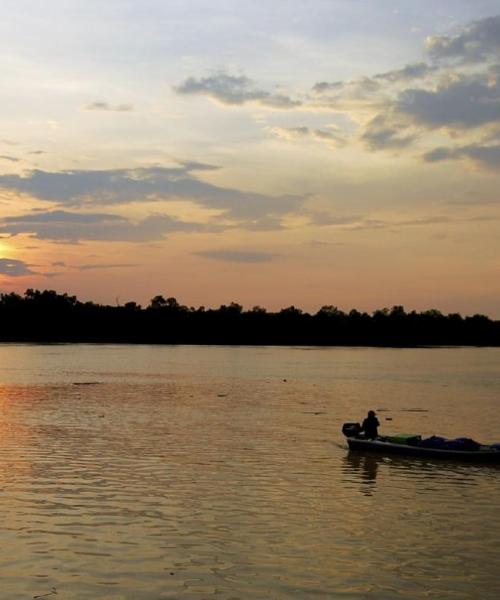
[
  {"x": 239, "y": 345},
  {"x": 49, "y": 317}
]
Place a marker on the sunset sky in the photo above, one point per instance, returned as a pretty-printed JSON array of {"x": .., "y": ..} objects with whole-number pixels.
[{"x": 304, "y": 152}]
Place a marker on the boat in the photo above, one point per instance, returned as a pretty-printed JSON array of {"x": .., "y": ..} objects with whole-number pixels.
[{"x": 462, "y": 449}]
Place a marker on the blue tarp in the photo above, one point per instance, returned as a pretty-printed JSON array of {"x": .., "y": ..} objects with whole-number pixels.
[{"x": 444, "y": 444}]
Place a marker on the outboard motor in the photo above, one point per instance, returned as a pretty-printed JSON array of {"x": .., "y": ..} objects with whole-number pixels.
[{"x": 351, "y": 429}]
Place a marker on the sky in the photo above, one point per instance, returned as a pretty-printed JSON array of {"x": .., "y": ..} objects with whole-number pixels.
[{"x": 293, "y": 152}]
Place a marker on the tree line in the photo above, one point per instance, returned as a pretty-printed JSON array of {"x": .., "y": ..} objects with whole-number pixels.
[{"x": 46, "y": 316}]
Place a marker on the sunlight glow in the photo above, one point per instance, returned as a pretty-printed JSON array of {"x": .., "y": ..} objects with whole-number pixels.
[{"x": 6, "y": 249}]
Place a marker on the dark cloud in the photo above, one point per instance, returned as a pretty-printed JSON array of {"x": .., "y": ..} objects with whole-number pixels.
[
  {"x": 485, "y": 156},
  {"x": 280, "y": 102},
  {"x": 467, "y": 102},
  {"x": 385, "y": 133},
  {"x": 477, "y": 42},
  {"x": 62, "y": 217},
  {"x": 105, "y": 106},
  {"x": 228, "y": 89},
  {"x": 9, "y": 158},
  {"x": 234, "y": 90},
  {"x": 121, "y": 186},
  {"x": 72, "y": 227},
  {"x": 439, "y": 154},
  {"x": 325, "y": 86},
  {"x": 237, "y": 256},
  {"x": 188, "y": 166},
  {"x": 14, "y": 268}
]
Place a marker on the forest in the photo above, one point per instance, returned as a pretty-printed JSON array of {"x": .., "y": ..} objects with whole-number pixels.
[{"x": 49, "y": 317}]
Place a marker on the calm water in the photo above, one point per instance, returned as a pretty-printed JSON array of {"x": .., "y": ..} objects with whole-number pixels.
[{"x": 146, "y": 473}]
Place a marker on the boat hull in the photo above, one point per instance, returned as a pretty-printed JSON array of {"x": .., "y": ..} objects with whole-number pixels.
[{"x": 485, "y": 455}]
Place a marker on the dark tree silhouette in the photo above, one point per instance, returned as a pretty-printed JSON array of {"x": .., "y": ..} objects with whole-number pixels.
[{"x": 46, "y": 316}]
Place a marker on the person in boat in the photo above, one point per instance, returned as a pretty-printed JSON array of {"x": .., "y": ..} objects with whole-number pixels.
[{"x": 370, "y": 426}]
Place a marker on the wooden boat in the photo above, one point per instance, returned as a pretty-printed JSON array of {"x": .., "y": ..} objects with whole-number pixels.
[{"x": 414, "y": 446}]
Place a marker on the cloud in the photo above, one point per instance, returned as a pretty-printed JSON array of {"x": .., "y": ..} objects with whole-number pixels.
[
  {"x": 478, "y": 42},
  {"x": 294, "y": 133},
  {"x": 14, "y": 268},
  {"x": 329, "y": 136},
  {"x": 455, "y": 91},
  {"x": 70, "y": 227},
  {"x": 402, "y": 223},
  {"x": 120, "y": 186},
  {"x": 62, "y": 217},
  {"x": 290, "y": 133},
  {"x": 367, "y": 224},
  {"x": 383, "y": 132},
  {"x": 435, "y": 220},
  {"x": 366, "y": 86},
  {"x": 326, "y": 86},
  {"x": 89, "y": 267},
  {"x": 105, "y": 266},
  {"x": 234, "y": 90},
  {"x": 456, "y": 94},
  {"x": 239, "y": 256},
  {"x": 9, "y": 158},
  {"x": 467, "y": 102},
  {"x": 325, "y": 218},
  {"x": 104, "y": 106},
  {"x": 264, "y": 223},
  {"x": 459, "y": 104},
  {"x": 368, "y": 90},
  {"x": 484, "y": 156},
  {"x": 346, "y": 95},
  {"x": 439, "y": 154},
  {"x": 407, "y": 73}
]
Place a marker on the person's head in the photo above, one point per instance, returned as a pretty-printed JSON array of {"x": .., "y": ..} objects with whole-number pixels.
[{"x": 371, "y": 413}]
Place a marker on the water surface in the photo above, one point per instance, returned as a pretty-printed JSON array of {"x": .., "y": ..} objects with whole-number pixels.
[{"x": 152, "y": 472}]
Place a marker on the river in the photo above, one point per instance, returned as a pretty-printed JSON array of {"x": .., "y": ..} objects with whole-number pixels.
[{"x": 155, "y": 472}]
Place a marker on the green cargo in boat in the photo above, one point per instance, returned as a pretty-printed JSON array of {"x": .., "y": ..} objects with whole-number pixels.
[{"x": 401, "y": 438}]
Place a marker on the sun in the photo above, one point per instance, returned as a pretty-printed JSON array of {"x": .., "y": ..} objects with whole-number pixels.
[{"x": 6, "y": 250}]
